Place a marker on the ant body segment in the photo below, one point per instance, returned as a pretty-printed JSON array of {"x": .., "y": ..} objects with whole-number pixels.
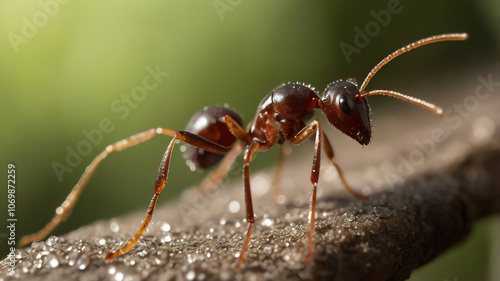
[{"x": 217, "y": 134}]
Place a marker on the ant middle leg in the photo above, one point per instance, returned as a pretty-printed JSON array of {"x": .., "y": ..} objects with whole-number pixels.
[
  {"x": 161, "y": 180},
  {"x": 63, "y": 211},
  {"x": 305, "y": 133},
  {"x": 329, "y": 153}
]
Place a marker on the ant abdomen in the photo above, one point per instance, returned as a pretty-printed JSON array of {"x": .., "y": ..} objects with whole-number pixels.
[{"x": 209, "y": 123}]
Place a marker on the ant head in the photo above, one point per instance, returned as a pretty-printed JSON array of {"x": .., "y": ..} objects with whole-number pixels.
[
  {"x": 347, "y": 111},
  {"x": 346, "y": 107}
]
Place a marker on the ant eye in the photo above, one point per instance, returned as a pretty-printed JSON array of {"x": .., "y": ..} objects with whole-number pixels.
[{"x": 345, "y": 104}]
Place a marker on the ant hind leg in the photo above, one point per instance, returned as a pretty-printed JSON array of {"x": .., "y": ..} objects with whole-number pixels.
[
  {"x": 216, "y": 177},
  {"x": 63, "y": 211},
  {"x": 161, "y": 180}
]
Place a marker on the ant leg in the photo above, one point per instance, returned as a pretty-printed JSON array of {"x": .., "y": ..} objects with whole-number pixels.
[
  {"x": 215, "y": 178},
  {"x": 277, "y": 173},
  {"x": 307, "y": 131},
  {"x": 250, "y": 150},
  {"x": 237, "y": 130},
  {"x": 251, "y": 147},
  {"x": 329, "y": 154},
  {"x": 161, "y": 180},
  {"x": 63, "y": 211}
]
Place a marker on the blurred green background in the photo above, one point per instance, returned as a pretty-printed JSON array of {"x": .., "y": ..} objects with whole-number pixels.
[{"x": 64, "y": 65}]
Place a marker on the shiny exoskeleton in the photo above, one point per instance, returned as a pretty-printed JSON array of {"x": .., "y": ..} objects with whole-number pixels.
[
  {"x": 216, "y": 134},
  {"x": 209, "y": 123}
]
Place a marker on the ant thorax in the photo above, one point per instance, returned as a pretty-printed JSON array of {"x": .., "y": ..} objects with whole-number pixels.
[{"x": 284, "y": 112}]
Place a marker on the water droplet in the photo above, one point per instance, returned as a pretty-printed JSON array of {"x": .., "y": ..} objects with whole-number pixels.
[
  {"x": 160, "y": 258},
  {"x": 268, "y": 250},
  {"x": 52, "y": 261},
  {"x": 52, "y": 240},
  {"x": 164, "y": 226},
  {"x": 112, "y": 270},
  {"x": 114, "y": 227},
  {"x": 26, "y": 266},
  {"x": 382, "y": 211},
  {"x": 166, "y": 238},
  {"x": 222, "y": 221},
  {"x": 349, "y": 216},
  {"x": 130, "y": 260},
  {"x": 83, "y": 262},
  {"x": 20, "y": 254},
  {"x": 190, "y": 275},
  {"x": 119, "y": 276},
  {"x": 37, "y": 263},
  {"x": 38, "y": 246},
  {"x": 72, "y": 258},
  {"x": 142, "y": 253},
  {"x": 234, "y": 206},
  {"x": 366, "y": 190},
  {"x": 100, "y": 241},
  {"x": 267, "y": 222}
]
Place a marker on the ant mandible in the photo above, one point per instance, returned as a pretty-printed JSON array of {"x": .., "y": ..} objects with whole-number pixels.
[{"x": 281, "y": 116}]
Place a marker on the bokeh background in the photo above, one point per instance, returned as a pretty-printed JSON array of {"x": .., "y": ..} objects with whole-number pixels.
[{"x": 65, "y": 65}]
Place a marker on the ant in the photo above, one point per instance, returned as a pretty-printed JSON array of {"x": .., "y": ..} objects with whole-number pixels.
[{"x": 217, "y": 133}]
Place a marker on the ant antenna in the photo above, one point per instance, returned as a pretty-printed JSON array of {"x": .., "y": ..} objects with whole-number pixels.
[{"x": 429, "y": 106}]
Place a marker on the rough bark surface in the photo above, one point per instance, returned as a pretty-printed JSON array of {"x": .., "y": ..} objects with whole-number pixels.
[{"x": 419, "y": 208}]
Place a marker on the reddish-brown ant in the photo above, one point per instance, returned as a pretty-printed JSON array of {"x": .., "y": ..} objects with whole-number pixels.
[{"x": 282, "y": 115}]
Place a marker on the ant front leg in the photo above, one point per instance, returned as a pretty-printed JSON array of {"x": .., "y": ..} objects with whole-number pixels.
[
  {"x": 329, "y": 153},
  {"x": 251, "y": 148},
  {"x": 161, "y": 180},
  {"x": 63, "y": 211},
  {"x": 304, "y": 134}
]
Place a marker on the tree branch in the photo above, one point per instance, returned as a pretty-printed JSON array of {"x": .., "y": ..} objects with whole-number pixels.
[{"x": 405, "y": 225}]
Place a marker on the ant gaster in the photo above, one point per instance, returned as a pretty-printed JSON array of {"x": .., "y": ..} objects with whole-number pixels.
[{"x": 217, "y": 133}]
